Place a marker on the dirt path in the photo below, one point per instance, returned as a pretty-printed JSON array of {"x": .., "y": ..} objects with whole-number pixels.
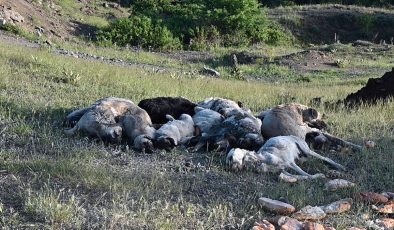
[{"x": 10, "y": 39}]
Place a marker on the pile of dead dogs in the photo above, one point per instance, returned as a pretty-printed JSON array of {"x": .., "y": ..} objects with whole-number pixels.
[{"x": 274, "y": 139}]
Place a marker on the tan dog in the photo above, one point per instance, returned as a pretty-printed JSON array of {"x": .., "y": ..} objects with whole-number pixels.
[
  {"x": 109, "y": 117},
  {"x": 298, "y": 120},
  {"x": 288, "y": 119}
]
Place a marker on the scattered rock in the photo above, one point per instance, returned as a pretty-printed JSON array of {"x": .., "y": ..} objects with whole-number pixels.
[
  {"x": 11, "y": 15},
  {"x": 276, "y": 206},
  {"x": 372, "y": 225},
  {"x": 369, "y": 144},
  {"x": 294, "y": 178},
  {"x": 371, "y": 197},
  {"x": 287, "y": 223},
  {"x": 114, "y": 5},
  {"x": 386, "y": 223},
  {"x": 338, "y": 206},
  {"x": 336, "y": 184},
  {"x": 385, "y": 208},
  {"x": 210, "y": 72},
  {"x": 335, "y": 174},
  {"x": 313, "y": 226},
  {"x": 355, "y": 228},
  {"x": 263, "y": 225},
  {"x": 362, "y": 43},
  {"x": 286, "y": 178},
  {"x": 309, "y": 213}
]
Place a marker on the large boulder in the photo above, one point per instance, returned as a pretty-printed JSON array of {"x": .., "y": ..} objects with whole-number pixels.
[
  {"x": 309, "y": 213},
  {"x": 336, "y": 184},
  {"x": 276, "y": 206},
  {"x": 338, "y": 206},
  {"x": 371, "y": 197},
  {"x": 8, "y": 15}
]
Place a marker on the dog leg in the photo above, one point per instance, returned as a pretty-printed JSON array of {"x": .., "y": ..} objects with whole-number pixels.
[
  {"x": 305, "y": 149},
  {"x": 72, "y": 119},
  {"x": 296, "y": 168},
  {"x": 340, "y": 142}
]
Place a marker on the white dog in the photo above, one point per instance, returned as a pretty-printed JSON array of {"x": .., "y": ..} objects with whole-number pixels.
[
  {"x": 220, "y": 105},
  {"x": 239, "y": 129},
  {"x": 277, "y": 154},
  {"x": 204, "y": 119},
  {"x": 174, "y": 132}
]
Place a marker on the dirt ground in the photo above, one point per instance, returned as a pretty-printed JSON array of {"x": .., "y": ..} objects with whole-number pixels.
[{"x": 376, "y": 89}]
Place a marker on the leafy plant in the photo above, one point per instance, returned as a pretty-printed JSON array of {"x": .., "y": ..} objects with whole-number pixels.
[{"x": 193, "y": 24}]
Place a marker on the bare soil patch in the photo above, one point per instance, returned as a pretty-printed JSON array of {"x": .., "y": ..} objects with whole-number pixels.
[
  {"x": 376, "y": 89},
  {"x": 308, "y": 60}
]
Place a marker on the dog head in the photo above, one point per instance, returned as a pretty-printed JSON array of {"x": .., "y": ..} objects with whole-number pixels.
[
  {"x": 166, "y": 143},
  {"x": 143, "y": 143},
  {"x": 310, "y": 114},
  {"x": 316, "y": 140},
  {"x": 111, "y": 134},
  {"x": 251, "y": 141}
]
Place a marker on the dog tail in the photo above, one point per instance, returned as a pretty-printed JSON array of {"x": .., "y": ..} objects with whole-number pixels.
[
  {"x": 72, "y": 119},
  {"x": 303, "y": 147},
  {"x": 72, "y": 131}
]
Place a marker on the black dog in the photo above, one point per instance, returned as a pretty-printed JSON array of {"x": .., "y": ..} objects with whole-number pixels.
[{"x": 159, "y": 107}]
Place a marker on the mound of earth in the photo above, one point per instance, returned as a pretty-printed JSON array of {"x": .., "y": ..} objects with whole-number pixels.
[
  {"x": 308, "y": 60},
  {"x": 325, "y": 24},
  {"x": 375, "y": 90}
]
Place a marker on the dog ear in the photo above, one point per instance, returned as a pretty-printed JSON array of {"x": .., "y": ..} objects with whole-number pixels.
[
  {"x": 240, "y": 104},
  {"x": 310, "y": 114},
  {"x": 314, "y": 113},
  {"x": 197, "y": 131},
  {"x": 172, "y": 142}
]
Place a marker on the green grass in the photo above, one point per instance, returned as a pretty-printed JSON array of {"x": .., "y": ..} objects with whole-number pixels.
[{"x": 54, "y": 181}]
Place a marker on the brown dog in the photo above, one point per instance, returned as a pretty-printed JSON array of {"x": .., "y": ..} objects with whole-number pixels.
[{"x": 109, "y": 118}]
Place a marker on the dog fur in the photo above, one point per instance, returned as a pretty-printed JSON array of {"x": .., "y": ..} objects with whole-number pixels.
[
  {"x": 220, "y": 105},
  {"x": 204, "y": 119},
  {"x": 239, "y": 129},
  {"x": 109, "y": 118},
  {"x": 288, "y": 119},
  {"x": 174, "y": 132},
  {"x": 277, "y": 154},
  {"x": 299, "y": 120},
  {"x": 159, "y": 107}
]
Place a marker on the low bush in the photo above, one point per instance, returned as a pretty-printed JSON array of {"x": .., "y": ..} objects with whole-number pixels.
[
  {"x": 138, "y": 31},
  {"x": 196, "y": 24}
]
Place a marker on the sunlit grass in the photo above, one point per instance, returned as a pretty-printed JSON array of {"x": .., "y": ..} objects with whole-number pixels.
[{"x": 81, "y": 183}]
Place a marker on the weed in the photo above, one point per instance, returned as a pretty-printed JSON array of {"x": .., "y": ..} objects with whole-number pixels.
[
  {"x": 51, "y": 207},
  {"x": 97, "y": 186}
]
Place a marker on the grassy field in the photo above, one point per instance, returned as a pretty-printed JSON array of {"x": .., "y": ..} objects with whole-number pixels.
[{"x": 50, "y": 181}]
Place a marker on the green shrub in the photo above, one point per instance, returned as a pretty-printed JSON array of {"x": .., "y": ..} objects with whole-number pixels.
[
  {"x": 196, "y": 24},
  {"x": 138, "y": 31}
]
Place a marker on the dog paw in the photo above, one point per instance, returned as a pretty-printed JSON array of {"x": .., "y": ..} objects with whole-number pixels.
[{"x": 235, "y": 158}]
